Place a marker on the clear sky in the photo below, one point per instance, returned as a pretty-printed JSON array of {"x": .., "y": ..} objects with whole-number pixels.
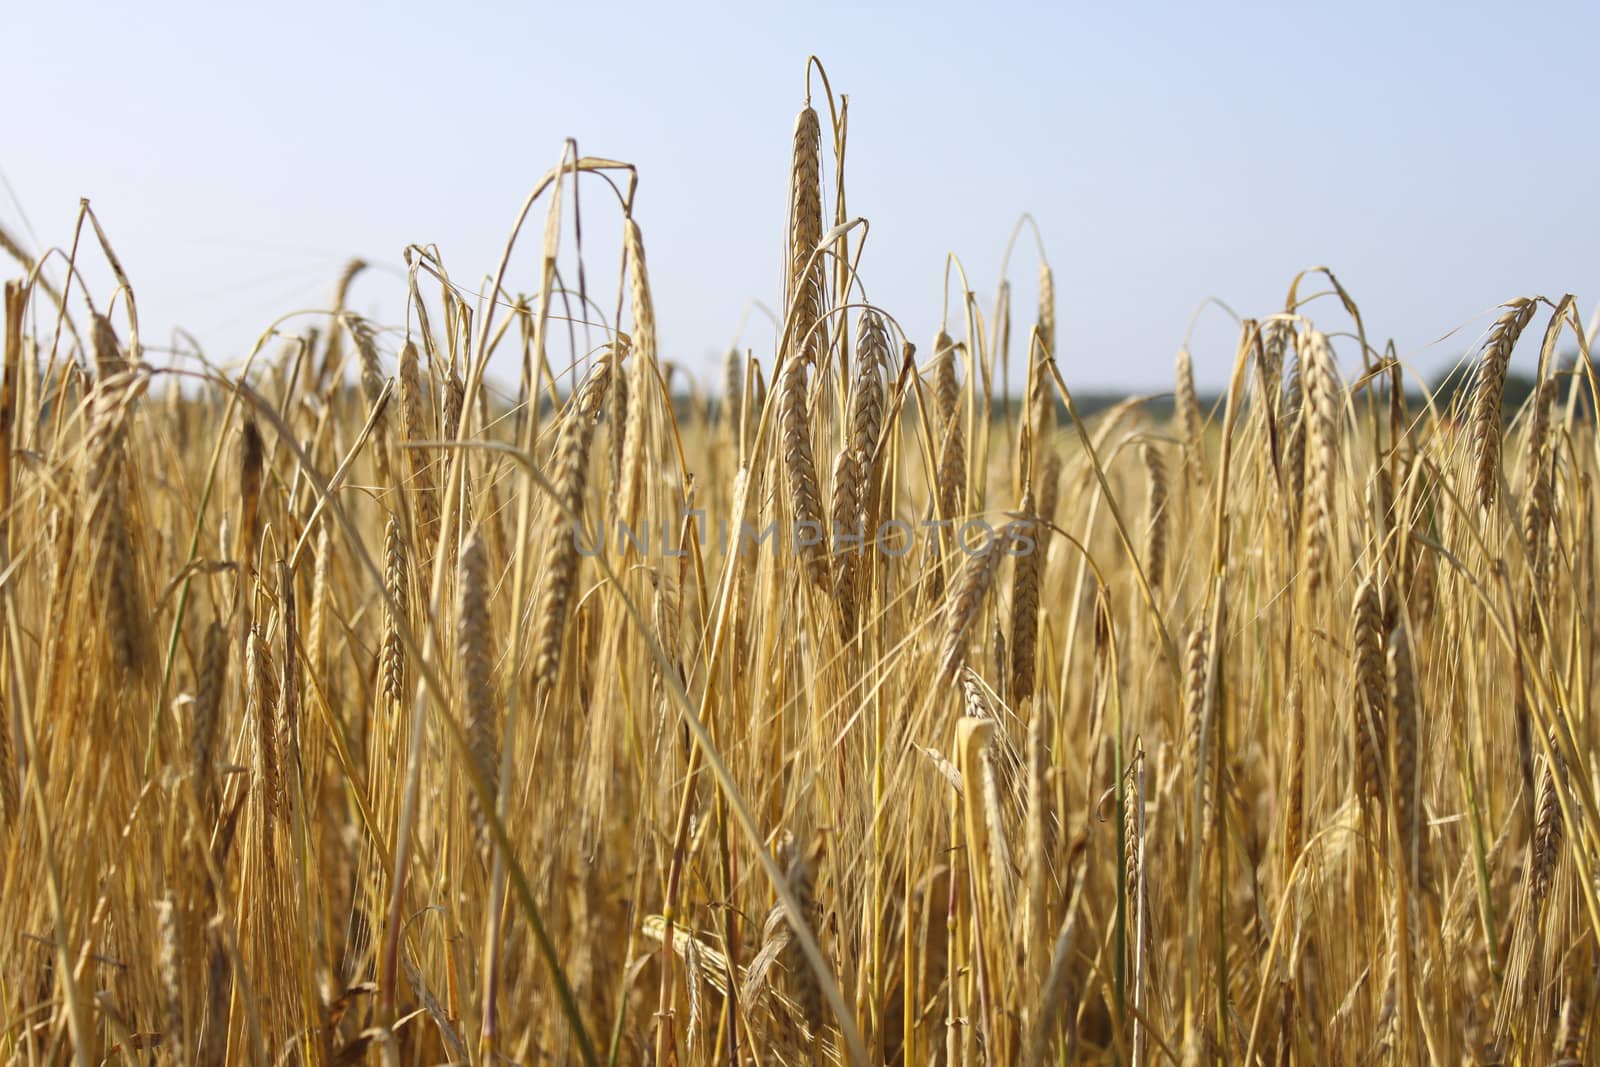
[{"x": 1439, "y": 157}]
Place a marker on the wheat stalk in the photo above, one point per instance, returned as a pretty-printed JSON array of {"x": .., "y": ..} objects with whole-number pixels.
[
  {"x": 1196, "y": 665},
  {"x": 807, "y": 993},
  {"x": 1321, "y": 457},
  {"x": 854, "y": 475},
  {"x": 1294, "y": 816},
  {"x": 1025, "y": 605},
  {"x": 1488, "y": 396},
  {"x": 263, "y": 700},
  {"x": 1372, "y": 689},
  {"x": 800, "y": 468},
  {"x": 952, "y": 462},
  {"x": 1186, "y": 415},
  {"x": 170, "y": 966},
  {"x": 475, "y": 640},
  {"x": 968, "y": 592},
  {"x": 642, "y": 370},
  {"x": 114, "y": 560},
  {"x": 805, "y": 296},
  {"x": 1538, "y": 491},
  {"x": 1155, "y": 543},
  {"x": 561, "y": 547},
  {"x": 1403, "y": 769},
  {"x": 1546, "y": 847},
  {"x": 10, "y": 798},
  {"x": 418, "y": 462},
  {"x": 207, "y": 710},
  {"x": 393, "y": 657},
  {"x": 733, "y": 394}
]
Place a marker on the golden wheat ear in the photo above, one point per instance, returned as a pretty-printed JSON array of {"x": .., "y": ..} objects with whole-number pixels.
[
  {"x": 1027, "y": 564},
  {"x": 1372, "y": 690},
  {"x": 561, "y": 556},
  {"x": 1488, "y": 396},
  {"x": 475, "y": 641},
  {"x": 855, "y": 475},
  {"x": 413, "y": 427},
  {"x": 1155, "y": 544}
]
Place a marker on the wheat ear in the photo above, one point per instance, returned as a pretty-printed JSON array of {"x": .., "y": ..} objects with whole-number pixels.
[
  {"x": 263, "y": 699},
  {"x": 951, "y": 472},
  {"x": 394, "y": 654},
  {"x": 475, "y": 640},
  {"x": 561, "y": 547},
  {"x": 854, "y": 477},
  {"x": 1321, "y": 457},
  {"x": 1186, "y": 414},
  {"x": 1025, "y": 605},
  {"x": 733, "y": 393},
  {"x": 1155, "y": 543},
  {"x": 1404, "y": 778},
  {"x": 1489, "y": 394},
  {"x": 418, "y": 460},
  {"x": 1372, "y": 689},
  {"x": 1537, "y": 495},
  {"x": 967, "y": 595},
  {"x": 115, "y": 563}
]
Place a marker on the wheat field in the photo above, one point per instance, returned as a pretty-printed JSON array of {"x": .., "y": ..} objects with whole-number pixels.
[{"x": 365, "y": 702}]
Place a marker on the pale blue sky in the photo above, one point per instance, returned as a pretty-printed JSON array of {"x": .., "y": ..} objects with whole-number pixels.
[{"x": 1439, "y": 157}]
